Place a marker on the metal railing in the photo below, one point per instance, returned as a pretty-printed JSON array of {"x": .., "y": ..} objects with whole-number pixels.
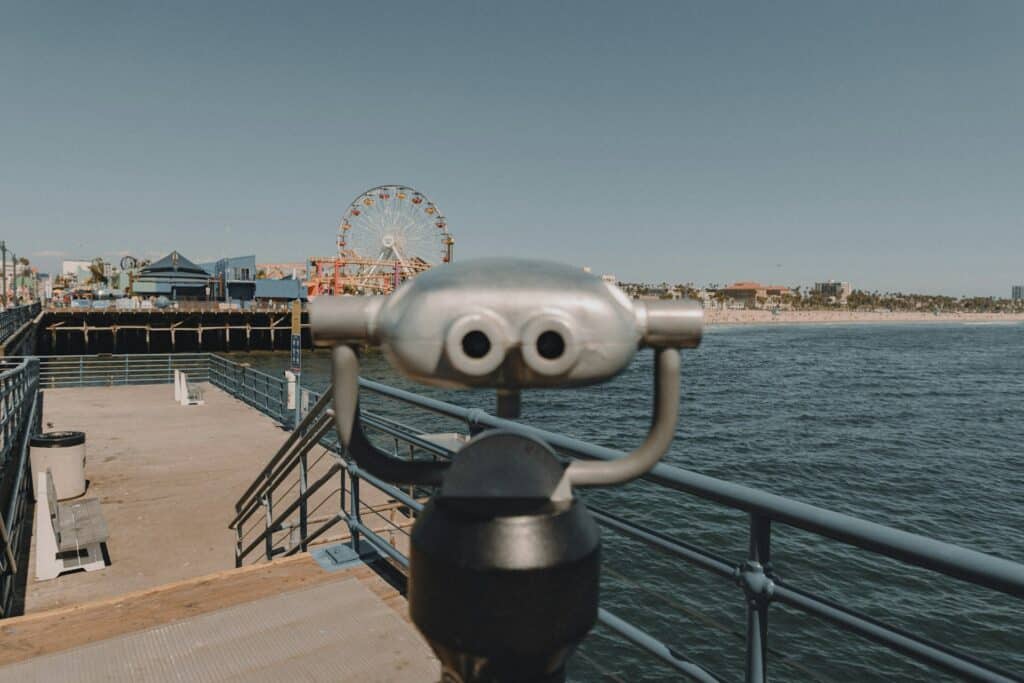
[
  {"x": 283, "y": 527},
  {"x": 103, "y": 370},
  {"x": 260, "y": 390},
  {"x": 20, "y": 416},
  {"x": 308, "y": 488},
  {"x": 12, "y": 319},
  {"x": 131, "y": 306}
]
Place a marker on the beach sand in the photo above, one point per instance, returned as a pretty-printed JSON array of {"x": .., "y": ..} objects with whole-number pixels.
[{"x": 751, "y": 317}]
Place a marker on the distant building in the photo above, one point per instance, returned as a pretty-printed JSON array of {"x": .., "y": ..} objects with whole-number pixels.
[
  {"x": 76, "y": 270},
  {"x": 1017, "y": 292},
  {"x": 45, "y": 286},
  {"x": 754, "y": 294},
  {"x": 609, "y": 278},
  {"x": 834, "y": 291},
  {"x": 233, "y": 278},
  {"x": 74, "y": 266},
  {"x": 175, "y": 277}
]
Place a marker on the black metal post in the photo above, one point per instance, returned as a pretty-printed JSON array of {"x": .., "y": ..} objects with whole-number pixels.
[
  {"x": 3, "y": 267},
  {"x": 354, "y": 514}
]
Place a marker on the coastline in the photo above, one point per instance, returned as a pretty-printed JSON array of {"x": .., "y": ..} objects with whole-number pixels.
[{"x": 755, "y": 317}]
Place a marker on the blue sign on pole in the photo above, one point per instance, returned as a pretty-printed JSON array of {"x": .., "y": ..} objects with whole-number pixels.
[
  {"x": 297, "y": 358},
  {"x": 296, "y": 353}
]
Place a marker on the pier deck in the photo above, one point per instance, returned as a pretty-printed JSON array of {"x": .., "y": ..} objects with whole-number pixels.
[
  {"x": 286, "y": 620},
  {"x": 172, "y": 605},
  {"x": 167, "y": 477}
]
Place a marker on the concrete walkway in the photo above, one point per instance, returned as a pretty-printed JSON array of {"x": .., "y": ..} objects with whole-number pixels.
[{"x": 167, "y": 477}]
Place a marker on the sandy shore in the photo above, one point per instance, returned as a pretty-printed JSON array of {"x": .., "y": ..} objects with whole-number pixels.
[{"x": 745, "y": 317}]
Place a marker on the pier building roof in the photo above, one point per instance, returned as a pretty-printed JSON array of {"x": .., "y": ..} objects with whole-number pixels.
[{"x": 174, "y": 276}]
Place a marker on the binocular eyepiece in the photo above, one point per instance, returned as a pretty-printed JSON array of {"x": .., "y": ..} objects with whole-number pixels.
[
  {"x": 507, "y": 324},
  {"x": 504, "y": 559}
]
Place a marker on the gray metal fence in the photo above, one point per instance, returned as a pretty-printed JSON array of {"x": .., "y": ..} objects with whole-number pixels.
[
  {"x": 758, "y": 583},
  {"x": 308, "y": 488},
  {"x": 58, "y": 372},
  {"x": 20, "y": 415},
  {"x": 12, "y": 319},
  {"x": 258, "y": 389}
]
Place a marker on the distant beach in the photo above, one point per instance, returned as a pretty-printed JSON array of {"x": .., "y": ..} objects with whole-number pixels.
[{"x": 752, "y": 317}]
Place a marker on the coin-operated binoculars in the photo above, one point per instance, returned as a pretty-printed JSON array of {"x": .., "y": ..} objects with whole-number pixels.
[{"x": 504, "y": 561}]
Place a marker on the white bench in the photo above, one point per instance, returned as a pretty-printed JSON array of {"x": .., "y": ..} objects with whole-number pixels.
[
  {"x": 186, "y": 393},
  {"x": 69, "y": 535}
]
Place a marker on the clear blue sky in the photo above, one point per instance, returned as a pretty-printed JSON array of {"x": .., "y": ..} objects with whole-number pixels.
[{"x": 881, "y": 143}]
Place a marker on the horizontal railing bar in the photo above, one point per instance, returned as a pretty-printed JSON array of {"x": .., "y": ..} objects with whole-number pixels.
[
  {"x": 284, "y": 467},
  {"x": 320, "y": 530},
  {"x": 120, "y": 372},
  {"x": 655, "y": 647},
  {"x": 406, "y": 435},
  {"x": 961, "y": 563},
  {"x": 247, "y": 368},
  {"x": 119, "y": 365},
  {"x": 378, "y": 542},
  {"x": 390, "y": 489},
  {"x": 289, "y": 509},
  {"x": 911, "y": 646},
  {"x": 695, "y": 556},
  {"x": 123, "y": 361}
]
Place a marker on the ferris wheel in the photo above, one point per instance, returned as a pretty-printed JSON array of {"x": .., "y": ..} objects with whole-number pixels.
[{"x": 395, "y": 227}]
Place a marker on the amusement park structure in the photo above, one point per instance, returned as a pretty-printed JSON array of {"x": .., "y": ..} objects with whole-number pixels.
[{"x": 388, "y": 234}]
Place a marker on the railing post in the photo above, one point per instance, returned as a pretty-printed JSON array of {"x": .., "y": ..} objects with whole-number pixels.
[
  {"x": 238, "y": 544},
  {"x": 354, "y": 510},
  {"x": 81, "y": 363},
  {"x": 753, "y": 576},
  {"x": 303, "y": 503},
  {"x": 341, "y": 488},
  {"x": 268, "y": 539}
]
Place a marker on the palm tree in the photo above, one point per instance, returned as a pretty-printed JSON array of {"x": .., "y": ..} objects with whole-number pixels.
[{"x": 96, "y": 275}]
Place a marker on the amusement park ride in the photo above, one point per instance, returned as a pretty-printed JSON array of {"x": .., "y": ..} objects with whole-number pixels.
[{"x": 388, "y": 234}]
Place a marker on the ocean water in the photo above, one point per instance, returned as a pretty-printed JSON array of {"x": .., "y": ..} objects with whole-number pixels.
[{"x": 920, "y": 427}]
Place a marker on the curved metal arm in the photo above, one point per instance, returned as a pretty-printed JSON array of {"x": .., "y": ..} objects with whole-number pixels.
[
  {"x": 345, "y": 385},
  {"x": 659, "y": 438}
]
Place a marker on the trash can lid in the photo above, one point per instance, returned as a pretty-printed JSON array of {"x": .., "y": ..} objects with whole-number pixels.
[{"x": 57, "y": 439}]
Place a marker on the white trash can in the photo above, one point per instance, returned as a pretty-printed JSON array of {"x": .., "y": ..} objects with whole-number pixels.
[{"x": 64, "y": 454}]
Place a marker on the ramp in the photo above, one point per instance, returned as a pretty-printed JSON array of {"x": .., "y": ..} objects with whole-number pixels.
[{"x": 338, "y": 630}]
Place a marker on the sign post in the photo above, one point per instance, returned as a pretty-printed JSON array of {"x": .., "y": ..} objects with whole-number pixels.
[{"x": 297, "y": 356}]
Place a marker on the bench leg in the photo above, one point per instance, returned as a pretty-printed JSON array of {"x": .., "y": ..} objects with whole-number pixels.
[{"x": 92, "y": 560}]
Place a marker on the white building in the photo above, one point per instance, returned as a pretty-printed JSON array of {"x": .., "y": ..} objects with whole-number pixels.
[{"x": 77, "y": 270}]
